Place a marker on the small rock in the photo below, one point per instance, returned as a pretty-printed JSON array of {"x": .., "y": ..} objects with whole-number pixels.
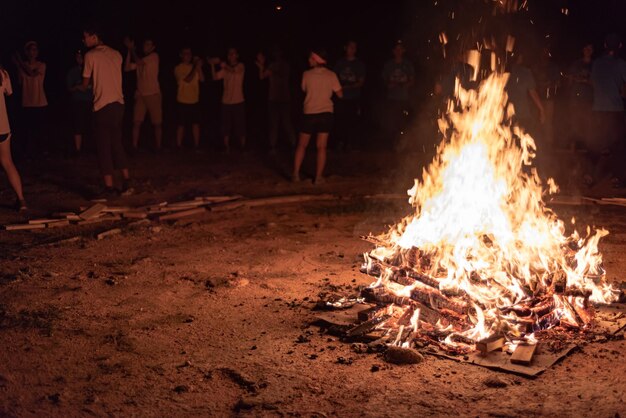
[
  {"x": 375, "y": 368},
  {"x": 494, "y": 382},
  {"x": 253, "y": 347},
  {"x": 312, "y": 356},
  {"x": 156, "y": 229},
  {"x": 111, "y": 281},
  {"x": 343, "y": 360},
  {"x": 302, "y": 339},
  {"x": 181, "y": 389},
  {"x": 398, "y": 355},
  {"x": 359, "y": 348},
  {"x": 54, "y": 398}
]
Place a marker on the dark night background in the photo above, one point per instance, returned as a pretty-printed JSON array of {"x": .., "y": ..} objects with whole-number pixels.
[{"x": 210, "y": 27}]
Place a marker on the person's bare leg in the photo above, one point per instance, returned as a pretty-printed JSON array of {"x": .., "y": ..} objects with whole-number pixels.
[
  {"x": 9, "y": 168},
  {"x": 125, "y": 174},
  {"x": 180, "y": 133},
  {"x": 303, "y": 141},
  {"x": 195, "y": 132},
  {"x": 158, "y": 136},
  {"x": 322, "y": 141},
  {"x": 136, "y": 132},
  {"x": 227, "y": 143},
  {"x": 78, "y": 142},
  {"x": 108, "y": 180}
]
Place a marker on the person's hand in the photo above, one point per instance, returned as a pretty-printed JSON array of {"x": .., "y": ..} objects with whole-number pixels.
[
  {"x": 260, "y": 60},
  {"x": 129, "y": 43},
  {"x": 223, "y": 64},
  {"x": 197, "y": 62},
  {"x": 213, "y": 60}
]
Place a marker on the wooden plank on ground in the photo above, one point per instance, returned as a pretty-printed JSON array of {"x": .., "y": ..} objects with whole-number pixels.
[
  {"x": 41, "y": 221},
  {"x": 278, "y": 200},
  {"x": 93, "y": 211},
  {"x": 182, "y": 214},
  {"x": 108, "y": 233},
  {"x": 523, "y": 354},
  {"x": 24, "y": 227},
  {"x": 134, "y": 214},
  {"x": 117, "y": 209},
  {"x": 57, "y": 223}
]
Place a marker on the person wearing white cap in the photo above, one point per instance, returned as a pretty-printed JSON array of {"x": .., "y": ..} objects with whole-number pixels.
[{"x": 319, "y": 83}]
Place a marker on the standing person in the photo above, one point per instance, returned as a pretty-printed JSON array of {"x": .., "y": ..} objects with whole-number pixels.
[
  {"x": 188, "y": 76},
  {"x": 279, "y": 98},
  {"x": 319, "y": 83},
  {"x": 103, "y": 69},
  {"x": 521, "y": 89},
  {"x": 607, "y": 150},
  {"x": 351, "y": 72},
  {"x": 5, "y": 142},
  {"x": 148, "y": 94},
  {"x": 548, "y": 79},
  {"x": 82, "y": 101},
  {"x": 32, "y": 74},
  {"x": 399, "y": 77},
  {"x": 580, "y": 96},
  {"x": 233, "y": 115}
]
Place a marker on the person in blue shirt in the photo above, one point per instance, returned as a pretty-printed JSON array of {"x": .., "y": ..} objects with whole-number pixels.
[
  {"x": 399, "y": 77},
  {"x": 351, "y": 73},
  {"x": 607, "y": 151},
  {"x": 81, "y": 102}
]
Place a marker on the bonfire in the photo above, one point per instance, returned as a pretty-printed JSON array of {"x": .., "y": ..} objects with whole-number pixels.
[{"x": 482, "y": 256}]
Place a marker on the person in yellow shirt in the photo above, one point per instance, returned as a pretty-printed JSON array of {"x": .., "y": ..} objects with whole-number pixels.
[{"x": 188, "y": 76}]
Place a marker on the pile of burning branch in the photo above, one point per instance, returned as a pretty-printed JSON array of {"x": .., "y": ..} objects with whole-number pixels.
[{"x": 483, "y": 263}]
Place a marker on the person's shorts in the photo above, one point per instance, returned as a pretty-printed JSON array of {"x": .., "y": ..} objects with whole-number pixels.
[
  {"x": 187, "y": 114},
  {"x": 150, "y": 105},
  {"x": 234, "y": 120},
  {"x": 4, "y": 137},
  {"x": 317, "y": 123}
]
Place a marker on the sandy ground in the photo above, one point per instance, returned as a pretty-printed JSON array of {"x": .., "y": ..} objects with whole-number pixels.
[{"x": 211, "y": 316}]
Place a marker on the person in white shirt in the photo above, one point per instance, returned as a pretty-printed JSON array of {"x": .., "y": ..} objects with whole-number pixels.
[
  {"x": 233, "y": 115},
  {"x": 103, "y": 70},
  {"x": 319, "y": 83},
  {"x": 32, "y": 74},
  {"x": 5, "y": 141},
  {"x": 148, "y": 95}
]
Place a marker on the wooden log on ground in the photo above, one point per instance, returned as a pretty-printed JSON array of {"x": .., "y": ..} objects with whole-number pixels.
[
  {"x": 58, "y": 223},
  {"x": 182, "y": 214},
  {"x": 108, "y": 233},
  {"x": 380, "y": 295},
  {"x": 116, "y": 209},
  {"x": 490, "y": 344},
  {"x": 133, "y": 214},
  {"x": 523, "y": 354},
  {"x": 109, "y": 218},
  {"x": 139, "y": 223},
  {"x": 42, "y": 221},
  {"x": 93, "y": 211},
  {"x": 24, "y": 227},
  {"x": 219, "y": 198},
  {"x": 223, "y": 207},
  {"x": 187, "y": 204},
  {"x": 369, "y": 313}
]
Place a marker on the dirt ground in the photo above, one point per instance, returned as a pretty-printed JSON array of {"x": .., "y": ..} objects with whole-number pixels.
[{"x": 211, "y": 316}]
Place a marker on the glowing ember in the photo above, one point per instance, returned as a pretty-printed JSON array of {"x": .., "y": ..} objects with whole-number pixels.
[{"x": 482, "y": 246}]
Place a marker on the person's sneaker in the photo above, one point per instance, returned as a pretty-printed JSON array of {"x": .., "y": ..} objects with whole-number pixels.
[
  {"x": 319, "y": 181},
  {"x": 105, "y": 194},
  {"x": 21, "y": 206},
  {"x": 127, "y": 188},
  {"x": 295, "y": 178}
]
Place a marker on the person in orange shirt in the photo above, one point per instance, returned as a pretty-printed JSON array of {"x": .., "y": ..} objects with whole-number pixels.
[{"x": 188, "y": 76}]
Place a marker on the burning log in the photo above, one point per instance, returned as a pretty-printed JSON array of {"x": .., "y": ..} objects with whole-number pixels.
[
  {"x": 367, "y": 326},
  {"x": 523, "y": 354},
  {"x": 436, "y": 300},
  {"x": 380, "y": 295}
]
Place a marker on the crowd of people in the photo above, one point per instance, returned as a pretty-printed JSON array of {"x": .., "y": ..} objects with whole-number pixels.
[{"x": 332, "y": 102}]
